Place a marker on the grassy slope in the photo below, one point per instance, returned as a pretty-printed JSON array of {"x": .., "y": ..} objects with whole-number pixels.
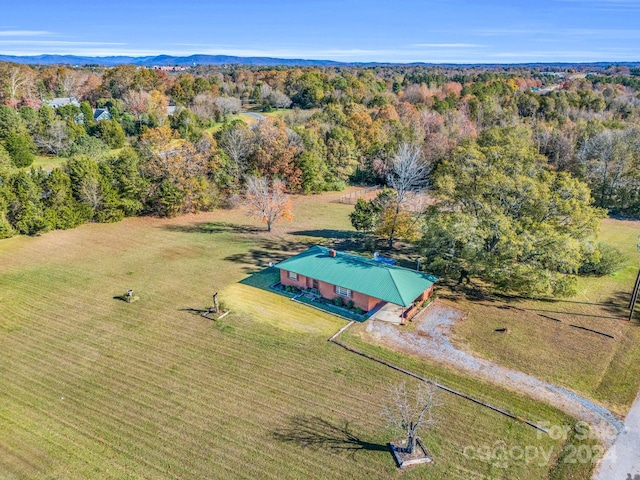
[
  {"x": 248, "y": 119},
  {"x": 48, "y": 163},
  {"x": 604, "y": 369},
  {"x": 92, "y": 387}
]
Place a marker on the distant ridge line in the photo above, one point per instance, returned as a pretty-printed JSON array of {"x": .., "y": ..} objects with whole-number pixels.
[{"x": 202, "y": 59}]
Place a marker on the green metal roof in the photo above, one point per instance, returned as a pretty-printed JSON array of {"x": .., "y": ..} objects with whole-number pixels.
[{"x": 393, "y": 284}]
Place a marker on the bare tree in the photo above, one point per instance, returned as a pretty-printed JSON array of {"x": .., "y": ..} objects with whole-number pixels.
[
  {"x": 275, "y": 97},
  {"x": 16, "y": 81},
  {"x": 228, "y": 105},
  {"x": 412, "y": 411},
  {"x": 408, "y": 174},
  {"x": 237, "y": 143},
  {"x": 54, "y": 138},
  {"x": 137, "y": 102},
  {"x": 267, "y": 202},
  {"x": 91, "y": 193},
  {"x": 204, "y": 106},
  {"x": 265, "y": 91},
  {"x": 71, "y": 81},
  {"x": 607, "y": 157}
]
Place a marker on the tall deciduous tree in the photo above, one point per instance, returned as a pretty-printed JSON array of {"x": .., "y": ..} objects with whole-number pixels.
[
  {"x": 267, "y": 201},
  {"x": 502, "y": 216},
  {"x": 611, "y": 160},
  {"x": 274, "y": 155},
  {"x": 408, "y": 174},
  {"x": 412, "y": 411},
  {"x": 53, "y": 138},
  {"x": 137, "y": 102},
  {"x": 237, "y": 142}
]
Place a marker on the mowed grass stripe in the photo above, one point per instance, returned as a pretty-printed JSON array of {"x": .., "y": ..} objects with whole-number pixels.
[
  {"x": 137, "y": 380},
  {"x": 30, "y": 399},
  {"x": 125, "y": 442},
  {"x": 292, "y": 374},
  {"x": 171, "y": 336},
  {"x": 63, "y": 445},
  {"x": 98, "y": 428},
  {"x": 459, "y": 450}
]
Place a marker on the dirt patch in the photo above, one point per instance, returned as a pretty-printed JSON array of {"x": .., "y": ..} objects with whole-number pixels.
[{"x": 431, "y": 339}]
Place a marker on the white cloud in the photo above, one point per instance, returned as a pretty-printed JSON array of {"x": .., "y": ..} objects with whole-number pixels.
[
  {"x": 448, "y": 45},
  {"x": 25, "y": 33},
  {"x": 606, "y": 4},
  {"x": 491, "y": 32}
]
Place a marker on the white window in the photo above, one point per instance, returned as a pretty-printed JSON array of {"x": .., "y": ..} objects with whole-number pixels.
[
  {"x": 293, "y": 276},
  {"x": 345, "y": 292}
]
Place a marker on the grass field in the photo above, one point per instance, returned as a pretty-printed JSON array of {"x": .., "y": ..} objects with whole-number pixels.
[
  {"x": 48, "y": 163},
  {"x": 248, "y": 119},
  {"x": 93, "y": 387},
  {"x": 607, "y": 370}
]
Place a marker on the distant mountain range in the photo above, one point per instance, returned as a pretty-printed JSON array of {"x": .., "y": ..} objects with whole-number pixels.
[
  {"x": 169, "y": 60},
  {"x": 164, "y": 60}
]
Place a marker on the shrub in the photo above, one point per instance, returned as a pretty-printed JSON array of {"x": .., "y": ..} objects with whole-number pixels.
[
  {"x": 111, "y": 133},
  {"x": 350, "y": 304},
  {"x": 335, "y": 186},
  {"x": 20, "y": 150},
  {"x": 90, "y": 146},
  {"x": 338, "y": 301},
  {"x": 603, "y": 260},
  {"x": 5, "y": 229},
  {"x": 358, "y": 310}
]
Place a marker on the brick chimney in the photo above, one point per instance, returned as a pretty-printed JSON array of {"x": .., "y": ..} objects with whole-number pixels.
[{"x": 332, "y": 253}]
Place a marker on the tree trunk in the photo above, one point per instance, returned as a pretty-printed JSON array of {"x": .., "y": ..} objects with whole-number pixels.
[
  {"x": 393, "y": 226},
  {"x": 411, "y": 443}
]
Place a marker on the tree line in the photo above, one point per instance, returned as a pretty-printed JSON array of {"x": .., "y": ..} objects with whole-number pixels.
[{"x": 174, "y": 144}]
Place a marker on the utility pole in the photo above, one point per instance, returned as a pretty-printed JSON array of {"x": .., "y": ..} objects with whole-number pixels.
[{"x": 636, "y": 288}]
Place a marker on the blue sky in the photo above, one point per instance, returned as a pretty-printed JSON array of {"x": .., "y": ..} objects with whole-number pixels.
[{"x": 456, "y": 31}]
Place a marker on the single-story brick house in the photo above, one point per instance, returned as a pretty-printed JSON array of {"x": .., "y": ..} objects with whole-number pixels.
[{"x": 368, "y": 282}]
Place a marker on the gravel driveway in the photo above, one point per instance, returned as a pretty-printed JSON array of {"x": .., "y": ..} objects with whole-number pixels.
[{"x": 431, "y": 340}]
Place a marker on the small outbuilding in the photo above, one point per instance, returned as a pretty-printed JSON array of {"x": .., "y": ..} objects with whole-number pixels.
[
  {"x": 61, "y": 102},
  {"x": 367, "y": 282},
  {"x": 100, "y": 114}
]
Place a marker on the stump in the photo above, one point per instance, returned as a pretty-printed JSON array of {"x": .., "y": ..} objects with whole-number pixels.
[
  {"x": 211, "y": 314},
  {"x": 403, "y": 459}
]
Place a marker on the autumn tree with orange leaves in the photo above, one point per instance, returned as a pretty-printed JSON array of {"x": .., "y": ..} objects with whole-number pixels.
[
  {"x": 275, "y": 153},
  {"x": 268, "y": 201}
]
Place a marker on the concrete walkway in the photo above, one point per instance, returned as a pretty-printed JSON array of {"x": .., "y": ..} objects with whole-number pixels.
[
  {"x": 622, "y": 460},
  {"x": 389, "y": 313}
]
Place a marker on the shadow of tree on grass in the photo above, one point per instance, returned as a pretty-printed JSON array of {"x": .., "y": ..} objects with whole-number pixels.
[
  {"x": 268, "y": 250},
  {"x": 313, "y": 431},
  {"x": 213, "y": 228},
  {"x": 194, "y": 311}
]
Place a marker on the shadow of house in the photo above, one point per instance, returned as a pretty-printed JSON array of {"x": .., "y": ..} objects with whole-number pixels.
[
  {"x": 325, "y": 233},
  {"x": 316, "y": 432}
]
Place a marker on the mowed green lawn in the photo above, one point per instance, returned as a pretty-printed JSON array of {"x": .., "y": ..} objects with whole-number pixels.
[
  {"x": 94, "y": 388},
  {"x": 605, "y": 369}
]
